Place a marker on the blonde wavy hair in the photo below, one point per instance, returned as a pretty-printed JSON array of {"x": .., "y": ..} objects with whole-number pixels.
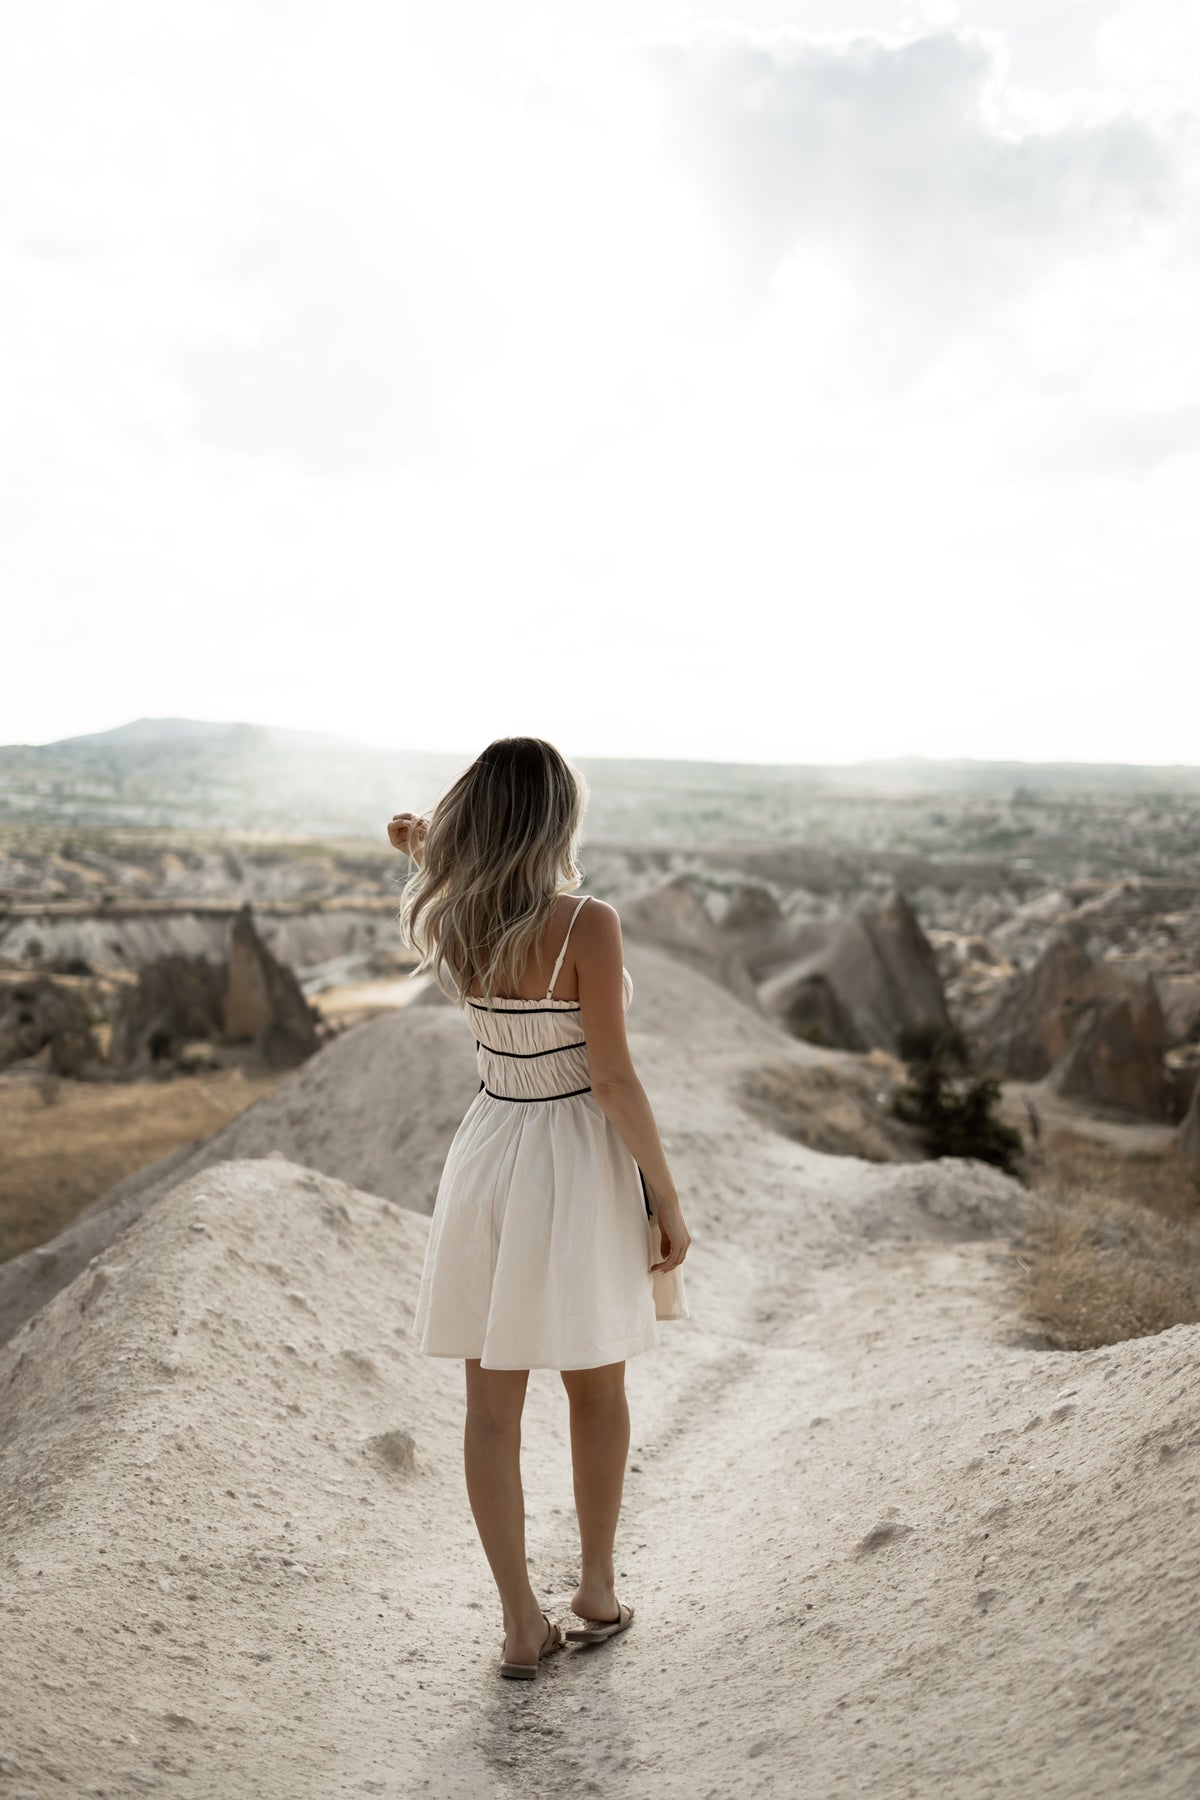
[{"x": 500, "y": 849}]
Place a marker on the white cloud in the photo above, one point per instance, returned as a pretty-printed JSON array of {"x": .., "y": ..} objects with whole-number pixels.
[
  {"x": 1151, "y": 49},
  {"x": 402, "y": 374},
  {"x": 257, "y": 202},
  {"x": 336, "y": 345},
  {"x": 890, "y": 155}
]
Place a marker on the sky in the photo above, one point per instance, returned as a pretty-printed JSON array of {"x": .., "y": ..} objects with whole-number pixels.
[{"x": 802, "y": 382}]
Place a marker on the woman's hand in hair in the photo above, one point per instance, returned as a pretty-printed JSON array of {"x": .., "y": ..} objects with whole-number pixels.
[{"x": 407, "y": 832}]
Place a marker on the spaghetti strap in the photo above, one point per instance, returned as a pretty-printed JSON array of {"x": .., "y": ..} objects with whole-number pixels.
[{"x": 563, "y": 951}]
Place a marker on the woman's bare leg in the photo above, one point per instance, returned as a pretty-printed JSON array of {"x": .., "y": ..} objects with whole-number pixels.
[
  {"x": 599, "y": 1446},
  {"x": 492, "y": 1460}
]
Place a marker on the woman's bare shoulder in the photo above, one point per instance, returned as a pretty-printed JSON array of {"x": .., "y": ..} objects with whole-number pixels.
[
  {"x": 599, "y": 924},
  {"x": 600, "y": 909}
]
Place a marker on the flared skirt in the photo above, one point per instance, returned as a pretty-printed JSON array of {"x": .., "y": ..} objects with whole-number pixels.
[{"x": 539, "y": 1246}]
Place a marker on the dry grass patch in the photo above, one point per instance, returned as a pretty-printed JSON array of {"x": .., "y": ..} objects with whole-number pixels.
[
  {"x": 1095, "y": 1268},
  {"x": 1157, "y": 1179},
  {"x": 1110, "y": 1248},
  {"x": 65, "y": 1142},
  {"x": 840, "y": 1107}
]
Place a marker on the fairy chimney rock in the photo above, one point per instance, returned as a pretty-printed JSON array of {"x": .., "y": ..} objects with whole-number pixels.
[{"x": 264, "y": 1004}]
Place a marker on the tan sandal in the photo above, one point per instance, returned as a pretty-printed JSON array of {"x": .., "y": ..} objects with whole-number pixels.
[
  {"x": 594, "y": 1631},
  {"x": 515, "y": 1671}
]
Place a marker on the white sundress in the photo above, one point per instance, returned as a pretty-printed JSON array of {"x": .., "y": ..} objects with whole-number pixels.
[{"x": 540, "y": 1245}]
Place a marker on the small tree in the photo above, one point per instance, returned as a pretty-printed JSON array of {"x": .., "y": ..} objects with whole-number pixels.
[
  {"x": 955, "y": 1116},
  {"x": 919, "y": 1043}
]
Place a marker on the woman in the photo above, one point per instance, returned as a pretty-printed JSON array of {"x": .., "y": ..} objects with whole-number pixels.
[{"x": 557, "y": 1235}]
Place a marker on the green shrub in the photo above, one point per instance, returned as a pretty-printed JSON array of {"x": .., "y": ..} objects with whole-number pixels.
[
  {"x": 918, "y": 1043},
  {"x": 954, "y": 1115}
]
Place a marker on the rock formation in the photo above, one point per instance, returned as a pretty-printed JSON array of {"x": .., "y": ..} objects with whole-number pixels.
[
  {"x": 673, "y": 916},
  {"x": 1187, "y": 1137},
  {"x": 751, "y": 908},
  {"x": 754, "y": 924},
  {"x": 264, "y": 1004},
  {"x": 1097, "y": 1026},
  {"x": 1115, "y": 1058},
  {"x": 38, "y": 1012},
  {"x": 175, "y": 1000},
  {"x": 250, "y": 998},
  {"x": 1180, "y": 997},
  {"x": 860, "y": 982}
]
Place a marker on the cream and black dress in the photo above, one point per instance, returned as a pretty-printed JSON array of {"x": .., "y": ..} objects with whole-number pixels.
[{"x": 540, "y": 1243}]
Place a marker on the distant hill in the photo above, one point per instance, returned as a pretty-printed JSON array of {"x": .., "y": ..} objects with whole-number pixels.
[
  {"x": 193, "y": 731},
  {"x": 203, "y": 775}
]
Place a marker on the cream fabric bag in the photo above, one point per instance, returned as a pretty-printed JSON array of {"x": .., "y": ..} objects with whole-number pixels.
[
  {"x": 670, "y": 1296},
  {"x": 670, "y": 1300}
]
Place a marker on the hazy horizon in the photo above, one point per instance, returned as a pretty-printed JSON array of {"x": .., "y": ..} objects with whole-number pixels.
[{"x": 403, "y": 748}]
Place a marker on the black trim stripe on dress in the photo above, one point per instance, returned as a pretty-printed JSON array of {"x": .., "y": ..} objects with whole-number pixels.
[
  {"x": 525, "y": 1055},
  {"x": 528, "y": 1098},
  {"x": 480, "y": 1007},
  {"x": 645, "y": 1195}
]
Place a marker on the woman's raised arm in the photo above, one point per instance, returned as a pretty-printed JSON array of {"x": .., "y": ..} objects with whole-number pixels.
[{"x": 406, "y": 831}]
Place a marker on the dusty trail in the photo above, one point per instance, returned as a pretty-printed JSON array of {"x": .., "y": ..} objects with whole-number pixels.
[
  {"x": 878, "y": 1545},
  {"x": 998, "y": 1635}
]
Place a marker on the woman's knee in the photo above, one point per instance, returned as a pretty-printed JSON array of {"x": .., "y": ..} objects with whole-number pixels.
[
  {"x": 604, "y": 1386},
  {"x": 495, "y": 1397}
]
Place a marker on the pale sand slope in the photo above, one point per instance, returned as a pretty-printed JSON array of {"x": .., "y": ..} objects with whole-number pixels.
[
  {"x": 376, "y": 1107},
  {"x": 220, "y": 1578}
]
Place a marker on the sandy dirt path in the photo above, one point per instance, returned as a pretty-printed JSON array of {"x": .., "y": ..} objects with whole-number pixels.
[
  {"x": 879, "y": 1544},
  {"x": 851, "y": 1583}
]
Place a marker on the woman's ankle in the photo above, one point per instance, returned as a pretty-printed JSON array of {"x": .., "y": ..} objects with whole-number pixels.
[
  {"x": 595, "y": 1597},
  {"x": 526, "y": 1615}
]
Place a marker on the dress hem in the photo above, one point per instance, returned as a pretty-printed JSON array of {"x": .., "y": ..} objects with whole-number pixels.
[{"x": 620, "y": 1352}]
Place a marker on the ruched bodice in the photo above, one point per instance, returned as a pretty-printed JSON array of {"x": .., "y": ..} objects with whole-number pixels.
[{"x": 533, "y": 1049}]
